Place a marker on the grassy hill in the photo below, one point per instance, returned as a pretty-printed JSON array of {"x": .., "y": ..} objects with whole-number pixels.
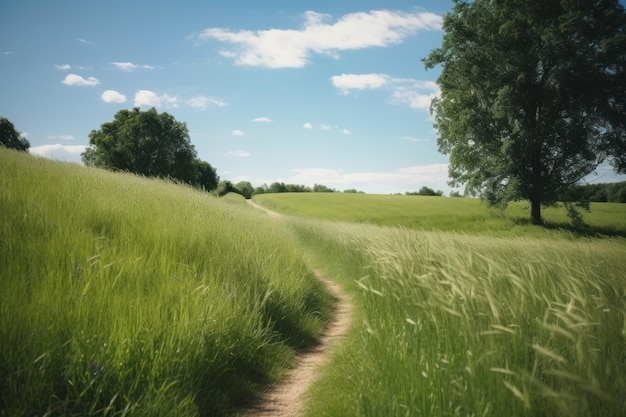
[{"x": 120, "y": 294}]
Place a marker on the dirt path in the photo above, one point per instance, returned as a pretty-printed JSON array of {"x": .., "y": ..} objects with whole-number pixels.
[
  {"x": 286, "y": 399},
  {"x": 268, "y": 211}
]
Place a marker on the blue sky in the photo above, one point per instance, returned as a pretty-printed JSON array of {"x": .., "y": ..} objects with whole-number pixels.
[{"x": 301, "y": 92}]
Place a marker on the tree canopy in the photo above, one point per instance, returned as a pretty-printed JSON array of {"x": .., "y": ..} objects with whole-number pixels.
[
  {"x": 10, "y": 137},
  {"x": 533, "y": 95},
  {"x": 150, "y": 144}
]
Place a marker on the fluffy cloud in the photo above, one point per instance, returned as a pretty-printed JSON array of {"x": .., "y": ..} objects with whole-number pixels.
[
  {"x": 307, "y": 125},
  {"x": 63, "y": 67},
  {"x": 346, "y": 132},
  {"x": 112, "y": 96},
  {"x": 58, "y": 151},
  {"x": 129, "y": 66},
  {"x": 201, "y": 102},
  {"x": 289, "y": 48},
  {"x": 239, "y": 153},
  {"x": 262, "y": 119},
  {"x": 416, "y": 94},
  {"x": 347, "y": 82},
  {"x": 237, "y": 132},
  {"x": 151, "y": 99},
  {"x": 73, "y": 79}
]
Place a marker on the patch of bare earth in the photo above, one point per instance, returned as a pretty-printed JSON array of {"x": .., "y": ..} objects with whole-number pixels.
[{"x": 286, "y": 399}]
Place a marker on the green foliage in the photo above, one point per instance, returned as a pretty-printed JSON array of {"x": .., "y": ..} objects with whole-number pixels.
[
  {"x": 10, "y": 137},
  {"x": 613, "y": 192},
  {"x": 122, "y": 295},
  {"x": 426, "y": 191},
  {"x": 150, "y": 144},
  {"x": 532, "y": 95},
  {"x": 225, "y": 187},
  {"x": 245, "y": 189}
]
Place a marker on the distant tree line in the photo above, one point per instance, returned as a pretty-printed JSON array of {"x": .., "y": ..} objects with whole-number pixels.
[
  {"x": 246, "y": 189},
  {"x": 427, "y": 191},
  {"x": 599, "y": 193}
]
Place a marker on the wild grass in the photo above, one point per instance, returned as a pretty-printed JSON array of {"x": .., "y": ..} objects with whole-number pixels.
[
  {"x": 121, "y": 295},
  {"x": 452, "y": 324},
  {"x": 466, "y": 215}
]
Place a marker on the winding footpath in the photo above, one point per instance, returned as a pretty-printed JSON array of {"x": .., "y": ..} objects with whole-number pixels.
[{"x": 286, "y": 399}]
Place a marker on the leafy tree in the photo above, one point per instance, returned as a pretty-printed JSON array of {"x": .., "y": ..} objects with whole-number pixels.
[
  {"x": 225, "y": 187},
  {"x": 150, "y": 144},
  {"x": 533, "y": 95},
  {"x": 10, "y": 137},
  {"x": 205, "y": 175},
  {"x": 143, "y": 142},
  {"x": 245, "y": 189},
  {"x": 319, "y": 188}
]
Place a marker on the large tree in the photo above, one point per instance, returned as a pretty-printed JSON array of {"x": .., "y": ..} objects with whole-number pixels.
[
  {"x": 532, "y": 95},
  {"x": 151, "y": 144},
  {"x": 10, "y": 137}
]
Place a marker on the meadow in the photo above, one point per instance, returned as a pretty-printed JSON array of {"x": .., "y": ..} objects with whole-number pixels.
[
  {"x": 121, "y": 295},
  {"x": 526, "y": 322},
  {"x": 465, "y": 215}
]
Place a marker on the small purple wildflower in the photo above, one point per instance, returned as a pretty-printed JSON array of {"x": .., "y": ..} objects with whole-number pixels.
[{"x": 94, "y": 368}]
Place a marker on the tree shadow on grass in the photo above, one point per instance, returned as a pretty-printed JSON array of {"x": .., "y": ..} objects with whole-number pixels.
[{"x": 583, "y": 230}]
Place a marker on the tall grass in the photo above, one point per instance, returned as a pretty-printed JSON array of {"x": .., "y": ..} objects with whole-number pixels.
[
  {"x": 453, "y": 324},
  {"x": 121, "y": 295}
]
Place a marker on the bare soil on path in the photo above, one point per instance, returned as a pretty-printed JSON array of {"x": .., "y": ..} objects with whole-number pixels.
[{"x": 286, "y": 399}]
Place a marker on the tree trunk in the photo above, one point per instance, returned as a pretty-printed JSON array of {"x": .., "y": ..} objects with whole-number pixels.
[{"x": 535, "y": 211}]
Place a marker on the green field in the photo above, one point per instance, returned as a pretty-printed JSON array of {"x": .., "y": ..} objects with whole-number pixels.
[
  {"x": 121, "y": 295},
  {"x": 465, "y": 215}
]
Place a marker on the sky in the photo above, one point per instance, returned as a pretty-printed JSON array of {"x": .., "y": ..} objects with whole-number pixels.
[{"x": 301, "y": 92}]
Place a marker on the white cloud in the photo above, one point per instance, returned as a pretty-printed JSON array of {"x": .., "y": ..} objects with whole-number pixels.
[
  {"x": 416, "y": 94},
  {"x": 201, "y": 102},
  {"x": 325, "y": 127},
  {"x": 73, "y": 79},
  {"x": 239, "y": 153},
  {"x": 86, "y": 42},
  {"x": 307, "y": 125},
  {"x": 346, "y": 132},
  {"x": 61, "y": 137},
  {"x": 347, "y": 82},
  {"x": 289, "y": 48},
  {"x": 413, "y": 139},
  {"x": 385, "y": 182},
  {"x": 151, "y": 99},
  {"x": 112, "y": 96},
  {"x": 237, "y": 132},
  {"x": 129, "y": 66},
  {"x": 58, "y": 151},
  {"x": 262, "y": 119},
  {"x": 63, "y": 67}
]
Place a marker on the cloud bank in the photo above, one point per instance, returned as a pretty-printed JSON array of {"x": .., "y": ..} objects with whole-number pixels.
[{"x": 290, "y": 48}]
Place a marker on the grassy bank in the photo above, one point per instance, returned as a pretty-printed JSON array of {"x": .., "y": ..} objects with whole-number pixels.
[
  {"x": 451, "y": 324},
  {"x": 121, "y": 294}
]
